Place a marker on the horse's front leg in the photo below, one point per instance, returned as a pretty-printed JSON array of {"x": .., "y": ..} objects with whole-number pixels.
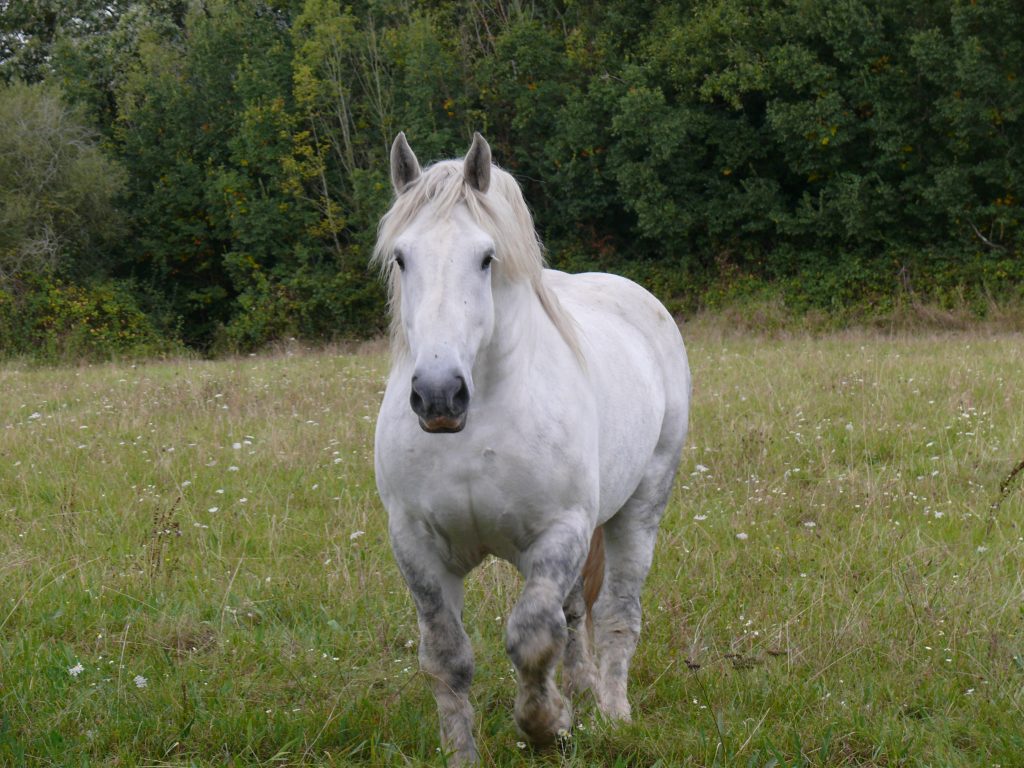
[
  {"x": 446, "y": 656},
  {"x": 579, "y": 674},
  {"x": 537, "y": 632}
]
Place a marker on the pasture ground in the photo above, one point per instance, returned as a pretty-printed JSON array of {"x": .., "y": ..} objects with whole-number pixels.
[{"x": 194, "y": 567}]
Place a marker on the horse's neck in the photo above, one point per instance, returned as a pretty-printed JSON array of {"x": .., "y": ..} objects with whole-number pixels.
[{"x": 521, "y": 330}]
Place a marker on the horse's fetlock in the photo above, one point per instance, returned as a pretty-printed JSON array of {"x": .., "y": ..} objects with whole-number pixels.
[{"x": 541, "y": 713}]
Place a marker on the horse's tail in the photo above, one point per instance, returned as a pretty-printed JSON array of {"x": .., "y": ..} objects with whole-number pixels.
[{"x": 593, "y": 570}]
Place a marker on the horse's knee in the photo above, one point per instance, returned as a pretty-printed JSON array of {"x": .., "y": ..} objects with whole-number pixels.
[
  {"x": 536, "y": 634},
  {"x": 618, "y": 616},
  {"x": 453, "y": 673},
  {"x": 446, "y": 655}
]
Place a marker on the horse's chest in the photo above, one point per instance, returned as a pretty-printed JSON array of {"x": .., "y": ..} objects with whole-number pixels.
[
  {"x": 490, "y": 482},
  {"x": 479, "y": 494}
]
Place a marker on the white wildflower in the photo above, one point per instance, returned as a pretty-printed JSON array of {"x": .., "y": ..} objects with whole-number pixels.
[
  {"x": 742, "y": 536},
  {"x": 140, "y": 681},
  {"x": 76, "y": 670}
]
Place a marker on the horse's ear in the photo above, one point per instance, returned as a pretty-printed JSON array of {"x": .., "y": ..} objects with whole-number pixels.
[
  {"x": 477, "y": 165},
  {"x": 405, "y": 168}
]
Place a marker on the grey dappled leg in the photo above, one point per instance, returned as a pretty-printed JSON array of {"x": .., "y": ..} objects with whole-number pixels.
[
  {"x": 446, "y": 656},
  {"x": 537, "y": 631},
  {"x": 578, "y": 671},
  {"x": 629, "y": 547}
]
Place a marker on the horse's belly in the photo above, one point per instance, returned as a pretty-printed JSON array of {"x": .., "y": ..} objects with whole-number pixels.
[
  {"x": 629, "y": 434},
  {"x": 637, "y": 367}
]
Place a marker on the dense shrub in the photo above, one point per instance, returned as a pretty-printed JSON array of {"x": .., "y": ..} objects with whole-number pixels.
[
  {"x": 326, "y": 305},
  {"x": 51, "y": 320}
]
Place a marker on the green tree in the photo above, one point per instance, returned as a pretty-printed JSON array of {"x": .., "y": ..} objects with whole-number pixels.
[
  {"x": 202, "y": 107},
  {"x": 57, "y": 188},
  {"x": 31, "y": 32},
  {"x": 843, "y": 151}
]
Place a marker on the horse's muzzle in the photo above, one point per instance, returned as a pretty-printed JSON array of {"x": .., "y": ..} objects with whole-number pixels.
[{"x": 441, "y": 402}]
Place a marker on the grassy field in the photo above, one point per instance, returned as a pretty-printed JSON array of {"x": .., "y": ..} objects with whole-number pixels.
[{"x": 194, "y": 568}]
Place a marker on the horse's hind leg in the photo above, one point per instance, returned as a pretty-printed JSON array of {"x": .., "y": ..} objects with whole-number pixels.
[
  {"x": 446, "y": 656},
  {"x": 537, "y": 627},
  {"x": 629, "y": 539}
]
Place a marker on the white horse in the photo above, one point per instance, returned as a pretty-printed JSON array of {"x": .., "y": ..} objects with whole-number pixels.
[{"x": 525, "y": 409}]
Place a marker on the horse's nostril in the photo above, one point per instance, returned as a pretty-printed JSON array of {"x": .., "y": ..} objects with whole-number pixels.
[
  {"x": 416, "y": 400},
  {"x": 460, "y": 400}
]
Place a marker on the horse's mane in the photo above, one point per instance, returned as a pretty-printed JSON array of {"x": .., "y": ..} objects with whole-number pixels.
[{"x": 501, "y": 212}]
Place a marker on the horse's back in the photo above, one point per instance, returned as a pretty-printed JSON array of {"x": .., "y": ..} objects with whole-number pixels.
[
  {"x": 622, "y": 322},
  {"x": 636, "y": 361}
]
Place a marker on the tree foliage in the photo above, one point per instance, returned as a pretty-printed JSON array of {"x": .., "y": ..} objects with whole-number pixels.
[
  {"x": 844, "y": 151},
  {"x": 57, "y": 189}
]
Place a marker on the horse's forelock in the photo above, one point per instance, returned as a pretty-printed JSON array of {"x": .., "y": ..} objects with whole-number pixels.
[{"x": 501, "y": 212}]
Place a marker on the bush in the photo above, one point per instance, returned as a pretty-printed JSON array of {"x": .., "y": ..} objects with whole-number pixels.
[
  {"x": 48, "y": 319},
  {"x": 313, "y": 303}
]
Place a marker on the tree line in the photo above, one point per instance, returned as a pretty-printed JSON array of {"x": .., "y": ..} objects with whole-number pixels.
[{"x": 210, "y": 173}]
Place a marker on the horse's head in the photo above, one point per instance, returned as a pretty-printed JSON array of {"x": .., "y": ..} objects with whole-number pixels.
[{"x": 443, "y": 262}]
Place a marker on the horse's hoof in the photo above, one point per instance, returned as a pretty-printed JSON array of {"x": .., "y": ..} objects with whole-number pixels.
[
  {"x": 615, "y": 709},
  {"x": 465, "y": 758},
  {"x": 542, "y": 722}
]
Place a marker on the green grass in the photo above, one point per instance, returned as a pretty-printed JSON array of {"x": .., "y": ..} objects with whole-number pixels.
[{"x": 198, "y": 524}]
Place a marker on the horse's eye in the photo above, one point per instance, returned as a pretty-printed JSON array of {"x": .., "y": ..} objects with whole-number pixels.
[
  {"x": 400, "y": 260},
  {"x": 488, "y": 258}
]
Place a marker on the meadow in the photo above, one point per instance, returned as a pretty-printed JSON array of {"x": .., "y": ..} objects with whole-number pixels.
[{"x": 194, "y": 567}]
